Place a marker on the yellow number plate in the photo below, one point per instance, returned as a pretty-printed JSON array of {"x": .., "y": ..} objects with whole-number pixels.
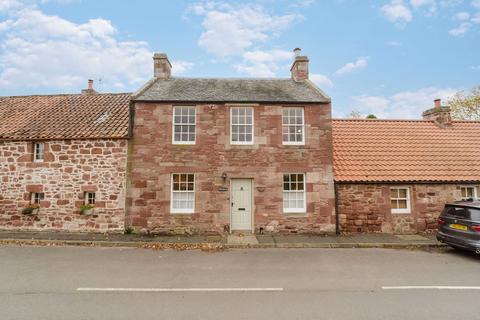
[{"x": 458, "y": 227}]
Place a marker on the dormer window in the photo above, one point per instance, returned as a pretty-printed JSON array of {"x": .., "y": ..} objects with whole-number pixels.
[{"x": 38, "y": 151}]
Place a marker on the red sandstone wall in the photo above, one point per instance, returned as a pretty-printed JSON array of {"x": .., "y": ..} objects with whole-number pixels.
[
  {"x": 71, "y": 167},
  {"x": 153, "y": 158},
  {"x": 366, "y": 207}
]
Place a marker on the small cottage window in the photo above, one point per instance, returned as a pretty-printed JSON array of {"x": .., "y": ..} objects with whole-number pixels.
[
  {"x": 183, "y": 193},
  {"x": 90, "y": 198},
  {"x": 294, "y": 193},
  {"x": 36, "y": 197},
  {"x": 241, "y": 125},
  {"x": 293, "y": 126},
  {"x": 184, "y": 125},
  {"x": 468, "y": 192},
  {"x": 400, "y": 199},
  {"x": 38, "y": 151}
]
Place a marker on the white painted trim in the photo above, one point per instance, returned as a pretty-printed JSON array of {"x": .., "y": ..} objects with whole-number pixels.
[
  {"x": 182, "y": 211},
  {"x": 407, "y": 210},
  {"x": 295, "y": 143},
  {"x": 35, "y": 151},
  {"x": 296, "y": 210},
  {"x": 180, "y": 289},
  {"x": 173, "y": 127},
  {"x": 85, "y": 196},
  {"x": 253, "y": 127},
  {"x": 432, "y": 287},
  {"x": 469, "y": 186}
]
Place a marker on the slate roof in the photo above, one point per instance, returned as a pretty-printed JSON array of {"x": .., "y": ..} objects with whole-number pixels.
[
  {"x": 231, "y": 90},
  {"x": 64, "y": 116},
  {"x": 405, "y": 150}
]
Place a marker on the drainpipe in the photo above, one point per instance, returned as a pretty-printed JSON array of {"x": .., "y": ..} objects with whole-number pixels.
[{"x": 337, "y": 218}]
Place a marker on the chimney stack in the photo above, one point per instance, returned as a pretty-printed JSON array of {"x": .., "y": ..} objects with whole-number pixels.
[
  {"x": 299, "y": 68},
  {"x": 439, "y": 114},
  {"x": 162, "y": 68},
  {"x": 89, "y": 89}
]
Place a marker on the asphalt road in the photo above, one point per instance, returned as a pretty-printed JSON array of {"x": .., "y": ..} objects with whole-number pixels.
[{"x": 44, "y": 282}]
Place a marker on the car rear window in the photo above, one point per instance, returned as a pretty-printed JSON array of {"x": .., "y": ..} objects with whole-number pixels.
[{"x": 462, "y": 213}]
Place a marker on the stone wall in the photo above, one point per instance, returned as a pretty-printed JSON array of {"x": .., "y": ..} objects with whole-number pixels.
[
  {"x": 366, "y": 207},
  {"x": 153, "y": 158},
  {"x": 70, "y": 168}
]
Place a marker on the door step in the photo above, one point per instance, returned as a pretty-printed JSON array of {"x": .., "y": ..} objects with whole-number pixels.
[{"x": 243, "y": 239}]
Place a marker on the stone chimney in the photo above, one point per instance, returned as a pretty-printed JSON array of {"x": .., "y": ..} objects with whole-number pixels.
[
  {"x": 162, "y": 68},
  {"x": 299, "y": 68},
  {"x": 89, "y": 89},
  {"x": 439, "y": 114}
]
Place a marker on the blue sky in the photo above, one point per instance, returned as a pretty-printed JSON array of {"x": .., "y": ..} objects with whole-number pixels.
[{"x": 390, "y": 58}]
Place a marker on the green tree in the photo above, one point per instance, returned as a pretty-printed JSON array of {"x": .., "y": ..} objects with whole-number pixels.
[
  {"x": 371, "y": 116},
  {"x": 466, "y": 106}
]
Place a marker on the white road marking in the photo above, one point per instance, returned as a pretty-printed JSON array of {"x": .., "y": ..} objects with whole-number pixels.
[
  {"x": 180, "y": 289},
  {"x": 431, "y": 288}
]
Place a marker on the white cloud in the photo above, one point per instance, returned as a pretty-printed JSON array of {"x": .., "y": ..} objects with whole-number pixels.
[
  {"x": 321, "y": 80},
  {"x": 393, "y": 43},
  {"x": 360, "y": 63},
  {"x": 180, "y": 66},
  {"x": 461, "y": 16},
  {"x": 476, "y": 18},
  {"x": 396, "y": 11},
  {"x": 476, "y": 4},
  {"x": 230, "y": 29},
  {"x": 38, "y": 50},
  {"x": 460, "y": 30},
  {"x": 402, "y": 105},
  {"x": 263, "y": 63}
]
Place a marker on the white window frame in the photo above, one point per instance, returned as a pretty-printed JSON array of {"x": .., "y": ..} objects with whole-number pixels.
[
  {"x": 38, "y": 155},
  {"x": 290, "y": 125},
  {"x": 406, "y": 210},
  {"x": 185, "y": 124},
  {"x": 181, "y": 210},
  {"x": 88, "y": 197},
  {"x": 33, "y": 197},
  {"x": 468, "y": 187},
  {"x": 231, "y": 125},
  {"x": 295, "y": 210}
]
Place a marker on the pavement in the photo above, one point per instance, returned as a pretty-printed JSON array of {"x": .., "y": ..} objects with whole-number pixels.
[
  {"x": 237, "y": 240},
  {"x": 50, "y": 283}
]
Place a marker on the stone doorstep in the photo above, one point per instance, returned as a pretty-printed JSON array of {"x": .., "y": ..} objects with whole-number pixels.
[{"x": 242, "y": 239}]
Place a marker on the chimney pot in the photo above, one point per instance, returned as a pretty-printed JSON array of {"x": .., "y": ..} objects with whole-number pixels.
[
  {"x": 89, "y": 89},
  {"x": 438, "y": 103},
  {"x": 299, "y": 69},
  {"x": 90, "y": 84},
  {"x": 162, "y": 68}
]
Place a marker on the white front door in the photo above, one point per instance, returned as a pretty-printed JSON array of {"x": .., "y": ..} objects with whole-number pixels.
[{"x": 241, "y": 203}]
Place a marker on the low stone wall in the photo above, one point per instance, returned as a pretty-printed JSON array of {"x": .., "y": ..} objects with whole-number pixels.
[
  {"x": 70, "y": 168},
  {"x": 366, "y": 207}
]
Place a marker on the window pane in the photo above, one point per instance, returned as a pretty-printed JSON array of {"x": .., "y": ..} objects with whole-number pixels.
[
  {"x": 402, "y": 193},
  {"x": 394, "y": 204},
  {"x": 402, "y": 204},
  {"x": 393, "y": 193}
]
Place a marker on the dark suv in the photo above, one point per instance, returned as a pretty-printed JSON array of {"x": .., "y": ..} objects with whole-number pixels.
[{"x": 459, "y": 225}]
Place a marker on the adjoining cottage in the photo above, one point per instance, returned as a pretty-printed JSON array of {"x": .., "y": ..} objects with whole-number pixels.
[
  {"x": 59, "y": 152},
  {"x": 396, "y": 175},
  {"x": 215, "y": 155}
]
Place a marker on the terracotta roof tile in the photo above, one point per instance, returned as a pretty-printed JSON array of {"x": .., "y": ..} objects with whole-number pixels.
[
  {"x": 64, "y": 116},
  {"x": 405, "y": 150}
]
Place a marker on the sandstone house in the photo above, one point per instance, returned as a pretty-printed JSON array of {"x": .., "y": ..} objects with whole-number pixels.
[
  {"x": 193, "y": 155},
  {"x": 60, "y": 152},
  {"x": 213, "y": 155}
]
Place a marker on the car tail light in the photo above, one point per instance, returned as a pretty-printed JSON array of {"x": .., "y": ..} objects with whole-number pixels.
[
  {"x": 441, "y": 222},
  {"x": 476, "y": 228}
]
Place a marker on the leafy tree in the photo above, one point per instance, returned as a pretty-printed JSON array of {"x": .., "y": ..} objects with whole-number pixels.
[
  {"x": 355, "y": 114},
  {"x": 466, "y": 106},
  {"x": 371, "y": 116}
]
